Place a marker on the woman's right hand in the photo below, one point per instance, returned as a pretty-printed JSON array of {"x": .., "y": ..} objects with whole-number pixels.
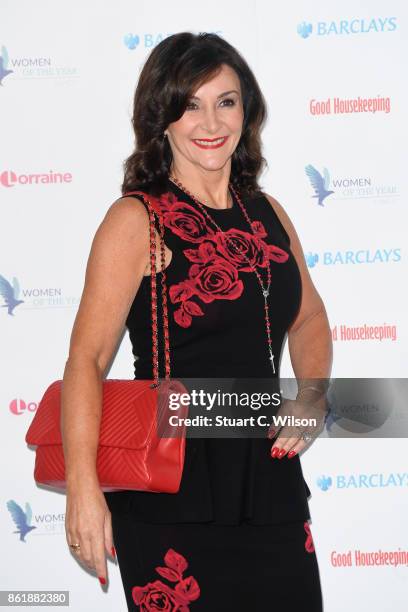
[{"x": 88, "y": 523}]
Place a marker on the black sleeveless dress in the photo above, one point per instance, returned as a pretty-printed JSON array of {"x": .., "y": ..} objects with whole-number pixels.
[{"x": 240, "y": 518}]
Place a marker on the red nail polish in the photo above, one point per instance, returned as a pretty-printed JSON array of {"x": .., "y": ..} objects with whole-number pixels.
[
  {"x": 291, "y": 454},
  {"x": 271, "y": 433},
  {"x": 275, "y": 452},
  {"x": 282, "y": 453},
  {"x": 113, "y": 551},
  {"x": 102, "y": 580}
]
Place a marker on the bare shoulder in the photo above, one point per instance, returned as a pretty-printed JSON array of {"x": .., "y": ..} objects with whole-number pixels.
[
  {"x": 127, "y": 209},
  {"x": 118, "y": 257}
]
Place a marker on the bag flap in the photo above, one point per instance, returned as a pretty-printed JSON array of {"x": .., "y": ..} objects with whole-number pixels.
[{"x": 131, "y": 414}]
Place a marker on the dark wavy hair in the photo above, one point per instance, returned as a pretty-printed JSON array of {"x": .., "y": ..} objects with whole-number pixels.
[{"x": 173, "y": 71}]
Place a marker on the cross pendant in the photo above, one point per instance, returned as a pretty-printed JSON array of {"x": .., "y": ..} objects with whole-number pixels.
[{"x": 271, "y": 360}]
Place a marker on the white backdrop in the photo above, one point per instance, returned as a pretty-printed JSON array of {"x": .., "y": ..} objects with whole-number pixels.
[{"x": 66, "y": 107}]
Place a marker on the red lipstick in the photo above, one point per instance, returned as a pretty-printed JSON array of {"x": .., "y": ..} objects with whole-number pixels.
[{"x": 219, "y": 142}]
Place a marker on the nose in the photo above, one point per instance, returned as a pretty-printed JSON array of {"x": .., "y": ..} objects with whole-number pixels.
[{"x": 210, "y": 121}]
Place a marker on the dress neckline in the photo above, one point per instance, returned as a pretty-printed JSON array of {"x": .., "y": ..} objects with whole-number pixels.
[{"x": 221, "y": 211}]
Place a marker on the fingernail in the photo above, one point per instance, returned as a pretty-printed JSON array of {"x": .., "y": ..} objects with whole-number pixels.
[
  {"x": 282, "y": 453},
  {"x": 113, "y": 551},
  {"x": 271, "y": 433},
  {"x": 102, "y": 580},
  {"x": 275, "y": 452},
  {"x": 291, "y": 454}
]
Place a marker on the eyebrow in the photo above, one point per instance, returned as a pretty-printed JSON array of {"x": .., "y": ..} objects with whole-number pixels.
[{"x": 220, "y": 96}]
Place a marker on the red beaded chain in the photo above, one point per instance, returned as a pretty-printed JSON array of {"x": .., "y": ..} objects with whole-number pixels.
[{"x": 152, "y": 210}]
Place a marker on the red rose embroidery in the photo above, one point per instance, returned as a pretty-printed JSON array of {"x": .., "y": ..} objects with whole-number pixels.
[
  {"x": 159, "y": 596},
  {"x": 216, "y": 261},
  {"x": 155, "y": 596},
  {"x": 253, "y": 251},
  {"x": 216, "y": 279},
  {"x": 309, "y": 545},
  {"x": 213, "y": 279},
  {"x": 183, "y": 220}
]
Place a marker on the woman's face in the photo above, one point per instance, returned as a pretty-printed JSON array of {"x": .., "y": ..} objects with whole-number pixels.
[{"x": 214, "y": 112}]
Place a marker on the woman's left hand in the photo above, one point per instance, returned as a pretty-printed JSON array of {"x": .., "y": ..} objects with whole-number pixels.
[{"x": 290, "y": 441}]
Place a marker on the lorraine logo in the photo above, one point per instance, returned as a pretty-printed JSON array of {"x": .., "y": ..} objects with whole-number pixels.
[
  {"x": 10, "y": 294},
  {"x": 304, "y": 29},
  {"x": 320, "y": 183},
  {"x": 311, "y": 259},
  {"x": 4, "y": 60},
  {"x": 21, "y": 519},
  {"x": 324, "y": 482},
  {"x": 131, "y": 41}
]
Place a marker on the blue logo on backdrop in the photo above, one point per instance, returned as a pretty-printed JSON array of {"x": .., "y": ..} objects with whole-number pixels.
[
  {"x": 22, "y": 519},
  {"x": 349, "y": 187},
  {"x": 131, "y": 41},
  {"x": 4, "y": 62},
  {"x": 10, "y": 293},
  {"x": 304, "y": 29},
  {"x": 347, "y": 26},
  {"x": 148, "y": 40},
  {"x": 311, "y": 259},
  {"x": 363, "y": 481},
  {"x": 362, "y": 256},
  {"x": 319, "y": 182}
]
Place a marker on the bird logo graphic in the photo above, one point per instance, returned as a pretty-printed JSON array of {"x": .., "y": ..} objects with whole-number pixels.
[
  {"x": 10, "y": 294},
  {"x": 22, "y": 519},
  {"x": 324, "y": 482},
  {"x": 131, "y": 41},
  {"x": 304, "y": 29},
  {"x": 4, "y": 59},
  {"x": 319, "y": 183}
]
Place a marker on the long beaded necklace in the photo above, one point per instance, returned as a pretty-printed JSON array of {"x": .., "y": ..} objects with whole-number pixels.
[{"x": 264, "y": 289}]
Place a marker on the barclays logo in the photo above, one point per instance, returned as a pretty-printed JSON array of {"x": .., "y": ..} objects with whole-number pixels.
[
  {"x": 311, "y": 259},
  {"x": 147, "y": 41},
  {"x": 363, "y": 481},
  {"x": 363, "y": 256},
  {"x": 324, "y": 482},
  {"x": 131, "y": 41},
  {"x": 347, "y": 27},
  {"x": 304, "y": 29}
]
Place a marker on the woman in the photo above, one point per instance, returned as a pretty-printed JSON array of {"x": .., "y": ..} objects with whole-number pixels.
[{"x": 236, "y": 535}]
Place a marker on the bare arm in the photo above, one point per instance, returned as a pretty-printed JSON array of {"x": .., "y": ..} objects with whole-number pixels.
[
  {"x": 310, "y": 349},
  {"x": 117, "y": 261},
  {"x": 309, "y": 336}
]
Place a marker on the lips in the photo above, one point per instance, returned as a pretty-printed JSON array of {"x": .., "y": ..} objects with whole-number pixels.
[{"x": 210, "y": 143}]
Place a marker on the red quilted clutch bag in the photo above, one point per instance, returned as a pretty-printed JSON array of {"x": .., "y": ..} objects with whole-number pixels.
[{"x": 137, "y": 449}]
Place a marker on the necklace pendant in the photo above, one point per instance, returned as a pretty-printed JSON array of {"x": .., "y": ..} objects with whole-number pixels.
[
  {"x": 265, "y": 292},
  {"x": 271, "y": 360}
]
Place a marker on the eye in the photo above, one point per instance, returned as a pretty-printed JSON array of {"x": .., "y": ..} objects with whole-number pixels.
[{"x": 229, "y": 100}]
